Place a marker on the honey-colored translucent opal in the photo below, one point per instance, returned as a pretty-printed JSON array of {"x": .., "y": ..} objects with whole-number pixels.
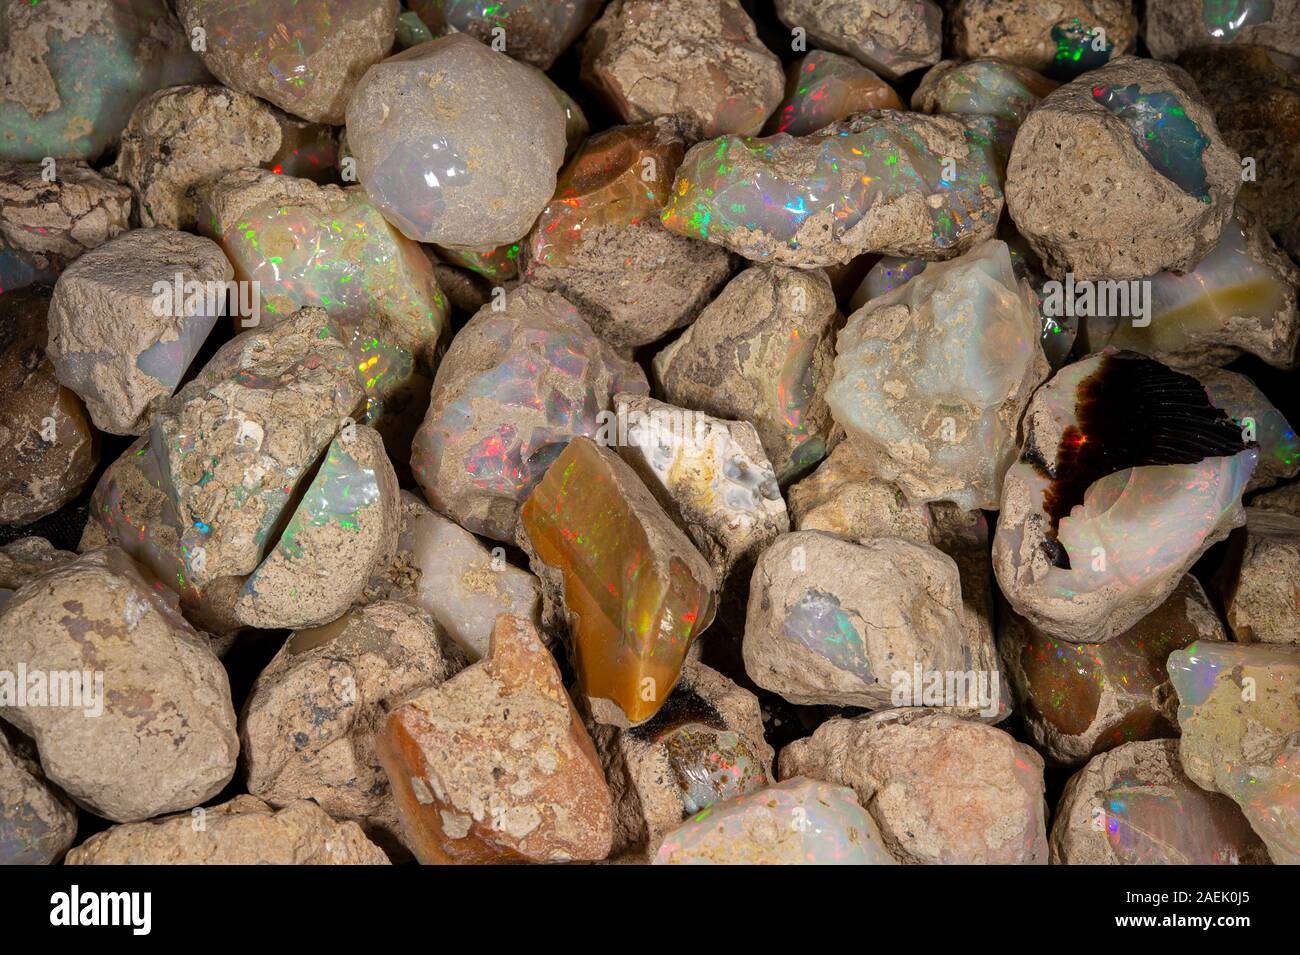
[
  {"x": 636, "y": 590},
  {"x": 823, "y": 88},
  {"x": 619, "y": 177}
]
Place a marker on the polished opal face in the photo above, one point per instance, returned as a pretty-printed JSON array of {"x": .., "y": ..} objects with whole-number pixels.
[
  {"x": 1171, "y": 141},
  {"x": 823, "y": 88},
  {"x": 1150, "y": 824},
  {"x": 618, "y": 178},
  {"x": 1224, "y": 19},
  {"x": 127, "y": 50},
  {"x": 1079, "y": 49},
  {"x": 712, "y": 765},
  {"x": 797, "y": 822},
  {"x": 1228, "y": 283},
  {"x": 773, "y": 185},
  {"x": 637, "y": 600}
]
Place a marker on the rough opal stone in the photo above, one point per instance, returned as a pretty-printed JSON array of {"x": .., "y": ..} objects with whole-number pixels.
[
  {"x": 761, "y": 352},
  {"x": 1241, "y": 296},
  {"x": 984, "y": 87},
  {"x": 797, "y": 822},
  {"x": 513, "y": 388},
  {"x": 345, "y": 525},
  {"x": 1240, "y": 720},
  {"x": 1127, "y": 475},
  {"x": 305, "y": 244},
  {"x": 1173, "y": 27},
  {"x": 1079, "y": 49},
  {"x": 535, "y": 31},
  {"x": 1279, "y": 448},
  {"x": 893, "y": 37},
  {"x": 1136, "y": 806},
  {"x": 931, "y": 378},
  {"x": 636, "y": 591},
  {"x": 872, "y": 183},
  {"x": 1081, "y": 699},
  {"x": 1170, "y": 140},
  {"x": 70, "y": 73},
  {"x": 303, "y": 57},
  {"x": 456, "y": 144},
  {"x": 37, "y": 821},
  {"x": 823, "y": 88}
]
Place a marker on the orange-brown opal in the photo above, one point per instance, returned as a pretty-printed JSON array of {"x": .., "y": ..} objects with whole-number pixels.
[
  {"x": 636, "y": 590},
  {"x": 495, "y": 766},
  {"x": 618, "y": 178}
]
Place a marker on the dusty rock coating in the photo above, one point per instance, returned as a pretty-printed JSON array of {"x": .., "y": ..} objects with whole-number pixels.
[
  {"x": 305, "y": 58},
  {"x": 244, "y": 831},
  {"x": 892, "y": 37},
  {"x": 495, "y": 765},
  {"x": 153, "y": 696},
  {"x": 121, "y": 336},
  {"x": 308, "y": 730},
  {"x": 1038, "y": 35},
  {"x": 48, "y": 449},
  {"x": 1174, "y": 26},
  {"x": 942, "y": 790},
  {"x": 1260, "y": 580},
  {"x": 37, "y": 822},
  {"x": 1170, "y": 192},
  {"x": 700, "y": 58}
]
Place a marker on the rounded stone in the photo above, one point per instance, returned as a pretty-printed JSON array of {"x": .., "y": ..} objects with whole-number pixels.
[
  {"x": 1047, "y": 37},
  {"x": 456, "y": 144},
  {"x": 303, "y": 57}
]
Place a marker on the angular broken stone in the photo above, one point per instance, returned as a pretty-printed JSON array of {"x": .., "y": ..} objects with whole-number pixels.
[
  {"x": 494, "y": 765},
  {"x": 636, "y": 592},
  {"x": 128, "y": 317},
  {"x": 1081, "y": 699},
  {"x": 48, "y": 449},
  {"x": 823, "y": 88},
  {"x": 1130, "y": 149},
  {"x": 1240, "y": 730},
  {"x": 455, "y": 143},
  {"x": 24, "y": 560},
  {"x": 444, "y": 569},
  {"x": 1260, "y": 579},
  {"x": 1239, "y": 297},
  {"x": 1172, "y": 26},
  {"x": 233, "y": 444},
  {"x": 874, "y": 182},
  {"x": 932, "y": 378},
  {"x": 710, "y": 475},
  {"x": 834, "y": 622},
  {"x": 942, "y": 790},
  {"x": 892, "y": 37},
  {"x": 515, "y": 385},
  {"x": 1126, "y": 476},
  {"x": 1135, "y": 806},
  {"x": 1260, "y": 421},
  {"x": 1285, "y": 499},
  {"x": 309, "y": 727},
  {"x": 1060, "y": 39},
  {"x": 1256, "y": 103},
  {"x": 761, "y": 352},
  {"x": 179, "y": 138},
  {"x": 146, "y": 691},
  {"x": 71, "y": 74},
  {"x": 244, "y": 831},
  {"x": 704, "y": 747},
  {"x": 329, "y": 247},
  {"x": 600, "y": 243},
  {"x": 984, "y": 87},
  {"x": 698, "y": 58},
  {"x": 797, "y": 822},
  {"x": 37, "y": 822},
  {"x": 535, "y": 31},
  {"x": 304, "y": 58},
  {"x": 45, "y": 225},
  {"x": 847, "y": 498},
  {"x": 343, "y": 529}
]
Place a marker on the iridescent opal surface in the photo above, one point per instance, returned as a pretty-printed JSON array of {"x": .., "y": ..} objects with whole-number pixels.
[
  {"x": 1167, "y": 137},
  {"x": 1079, "y": 49},
  {"x": 823, "y": 88},
  {"x": 1224, "y": 19},
  {"x": 797, "y": 822},
  {"x": 635, "y": 588},
  {"x": 712, "y": 765}
]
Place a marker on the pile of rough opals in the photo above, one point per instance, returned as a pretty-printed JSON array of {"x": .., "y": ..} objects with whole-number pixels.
[{"x": 567, "y": 430}]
